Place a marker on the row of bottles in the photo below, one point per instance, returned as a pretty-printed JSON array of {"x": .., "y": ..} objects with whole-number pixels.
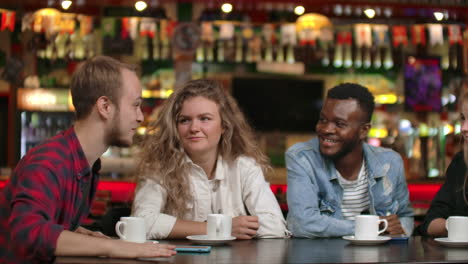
[
  {"x": 68, "y": 46},
  {"x": 338, "y": 55},
  {"x": 38, "y": 126},
  {"x": 147, "y": 48},
  {"x": 238, "y": 50}
]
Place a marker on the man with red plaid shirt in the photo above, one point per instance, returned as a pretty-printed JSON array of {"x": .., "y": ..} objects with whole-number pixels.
[{"x": 52, "y": 187}]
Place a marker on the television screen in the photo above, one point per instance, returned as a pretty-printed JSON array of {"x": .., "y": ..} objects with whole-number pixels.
[
  {"x": 423, "y": 84},
  {"x": 279, "y": 103}
]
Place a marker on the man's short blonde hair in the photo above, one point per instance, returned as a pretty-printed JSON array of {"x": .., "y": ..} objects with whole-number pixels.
[{"x": 96, "y": 77}]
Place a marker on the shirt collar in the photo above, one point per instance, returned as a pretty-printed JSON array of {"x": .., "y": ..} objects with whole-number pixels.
[
  {"x": 220, "y": 167},
  {"x": 80, "y": 163},
  {"x": 376, "y": 167}
]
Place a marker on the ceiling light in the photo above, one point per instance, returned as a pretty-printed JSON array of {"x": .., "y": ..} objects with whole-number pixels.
[
  {"x": 370, "y": 13},
  {"x": 140, "y": 6},
  {"x": 438, "y": 16},
  {"x": 66, "y": 4},
  {"x": 338, "y": 10},
  {"x": 358, "y": 11},
  {"x": 388, "y": 12},
  {"x": 299, "y": 10},
  {"x": 226, "y": 8},
  {"x": 348, "y": 10}
]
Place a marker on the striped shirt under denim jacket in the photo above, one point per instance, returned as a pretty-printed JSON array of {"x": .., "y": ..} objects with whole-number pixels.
[{"x": 315, "y": 194}]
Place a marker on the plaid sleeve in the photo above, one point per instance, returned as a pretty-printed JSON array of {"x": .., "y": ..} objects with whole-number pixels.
[{"x": 34, "y": 231}]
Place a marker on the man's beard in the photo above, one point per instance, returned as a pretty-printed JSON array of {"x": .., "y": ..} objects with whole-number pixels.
[
  {"x": 114, "y": 137},
  {"x": 346, "y": 149}
]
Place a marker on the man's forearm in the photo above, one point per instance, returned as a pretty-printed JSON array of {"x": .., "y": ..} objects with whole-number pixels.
[{"x": 75, "y": 244}]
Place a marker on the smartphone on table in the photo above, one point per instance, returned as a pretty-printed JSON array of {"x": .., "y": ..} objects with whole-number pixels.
[{"x": 197, "y": 249}]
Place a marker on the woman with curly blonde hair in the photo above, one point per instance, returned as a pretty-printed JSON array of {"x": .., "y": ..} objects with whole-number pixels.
[{"x": 200, "y": 157}]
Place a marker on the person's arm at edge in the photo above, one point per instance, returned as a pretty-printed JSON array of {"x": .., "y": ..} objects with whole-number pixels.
[
  {"x": 184, "y": 228},
  {"x": 441, "y": 205},
  {"x": 149, "y": 201},
  {"x": 437, "y": 228},
  {"x": 304, "y": 217},
  {"x": 75, "y": 244},
  {"x": 405, "y": 211},
  {"x": 261, "y": 202}
]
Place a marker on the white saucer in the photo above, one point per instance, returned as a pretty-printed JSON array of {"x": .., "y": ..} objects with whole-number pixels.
[
  {"x": 204, "y": 240},
  {"x": 449, "y": 243},
  {"x": 367, "y": 242}
]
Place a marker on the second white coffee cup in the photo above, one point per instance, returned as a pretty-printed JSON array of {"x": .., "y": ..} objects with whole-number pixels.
[
  {"x": 219, "y": 226},
  {"x": 367, "y": 227},
  {"x": 457, "y": 227},
  {"x": 131, "y": 229}
]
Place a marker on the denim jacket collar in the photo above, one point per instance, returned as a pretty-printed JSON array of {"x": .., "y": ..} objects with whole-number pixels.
[{"x": 376, "y": 168}]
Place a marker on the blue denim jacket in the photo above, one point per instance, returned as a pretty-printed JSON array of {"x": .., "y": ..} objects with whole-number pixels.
[{"x": 315, "y": 195}]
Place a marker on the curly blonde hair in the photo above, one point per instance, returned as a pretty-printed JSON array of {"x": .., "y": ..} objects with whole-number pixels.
[{"x": 162, "y": 155}]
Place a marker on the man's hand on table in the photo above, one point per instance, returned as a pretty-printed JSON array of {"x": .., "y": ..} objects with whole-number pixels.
[{"x": 394, "y": 225}]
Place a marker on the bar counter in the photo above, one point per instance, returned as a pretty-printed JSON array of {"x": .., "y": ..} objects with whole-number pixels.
[{"x": 296, "y": 250}]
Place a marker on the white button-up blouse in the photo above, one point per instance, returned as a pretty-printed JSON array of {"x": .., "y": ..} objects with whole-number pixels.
[{"x": 238, "y": 189}]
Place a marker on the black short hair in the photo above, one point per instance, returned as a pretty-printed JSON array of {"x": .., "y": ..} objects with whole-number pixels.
[{"x": 354, "y": 91}]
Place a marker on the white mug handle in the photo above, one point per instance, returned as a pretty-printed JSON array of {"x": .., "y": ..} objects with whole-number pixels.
[
  {"x": 446, "y": 223},
  {"x": 385, "y": 225},
  {"x": 117, "y": 230}
]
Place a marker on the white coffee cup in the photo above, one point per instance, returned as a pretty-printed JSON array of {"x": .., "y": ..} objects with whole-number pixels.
[
  {"x": 457, "y": 227},
  {"x": 131, "y": 229},
  {"x": 219, "y": 226},
  {"x": 367, "y": 227}
]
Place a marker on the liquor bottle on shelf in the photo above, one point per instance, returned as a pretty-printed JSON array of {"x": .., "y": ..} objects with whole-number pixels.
[
  {"x": 367, "y": 57},
  {"x": 358, "y": 57},
  {"x": 156, "y": 47},
  {"x": 290, "y": 54},
  {"x": 326, "y": 56},
  {"x": 268, "y": 52},
  {"x": 239, "y": 48},
  {"x": 377, "y": 58},
  {"x": 200, "y": 53},
  {"x": 220, "y": 51},
  {"x": 230, "y": 50},
  {"x": 210, "y": 52},
  {"x": 453, "y": 56},
  {"x": 338, "y": 57},
  {"x": 388, "y": 59},
  {"x": 280, "y": 53},
  {"x": 165, "y": 49},
  {"x": 249, "y": 56},
  {"x": 445, "y": 61},
  {"x": 348, "y": 56}
]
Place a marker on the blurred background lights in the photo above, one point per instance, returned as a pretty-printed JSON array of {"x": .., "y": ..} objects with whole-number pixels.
[
  {"x": 388, "y": 12},
  {"x": 448, "y": 129},
  {"x": 370, "y": 13},
  {"x": 299, "y": 10},
  {"x": 338, "y": 10},
  {"x": 226, "y": 8},
  {"x": 438, "y": 16},
  {"x": 404, "y": 126},
  {"x": 140, "y": 6},
  {"x": 457, "y": 128},
  {"x": 66, "y": 4}
]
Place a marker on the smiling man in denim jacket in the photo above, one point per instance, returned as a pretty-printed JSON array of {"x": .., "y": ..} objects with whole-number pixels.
[{"x": 336, "y": 176}]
